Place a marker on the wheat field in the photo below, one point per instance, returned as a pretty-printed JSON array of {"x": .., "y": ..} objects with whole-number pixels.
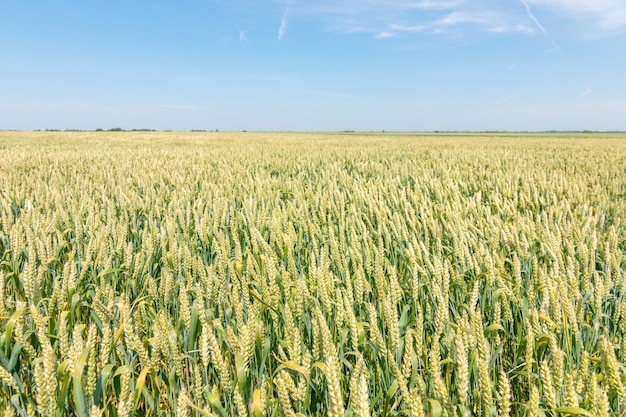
[{"x": 292, "y": 274}]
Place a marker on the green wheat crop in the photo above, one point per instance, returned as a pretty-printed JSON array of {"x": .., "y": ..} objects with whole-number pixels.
[{"x": 223, "y": 274}]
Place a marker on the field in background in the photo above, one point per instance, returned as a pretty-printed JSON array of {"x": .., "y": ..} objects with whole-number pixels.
[{"x": 312, "y": 274}]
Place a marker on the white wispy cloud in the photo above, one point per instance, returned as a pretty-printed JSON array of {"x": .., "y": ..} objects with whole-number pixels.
[
  {"x": 509, "y": 28},
  {"x": 486, "y": 20},
  {"x": 585, "y": 92},
  {"x": 393, "y": 18},
  {"x": 384, "y": 35},
  {"x": 359, "y": 7},
  {"x": 402, "y": 18},
  {"x": 404, "y": 28},
  {"x": 460, "y": 17},
  {"x": 606, "y": 14},
  {"x": 433, "y": 4}
]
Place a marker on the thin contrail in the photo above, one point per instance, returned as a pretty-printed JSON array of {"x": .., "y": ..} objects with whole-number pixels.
[
  {"x": 540, "y": 26},
  {"x": 284, "y": 22}
]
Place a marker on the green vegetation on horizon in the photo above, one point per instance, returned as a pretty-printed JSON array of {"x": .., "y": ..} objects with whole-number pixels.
[{"x": 219, "y": 274}]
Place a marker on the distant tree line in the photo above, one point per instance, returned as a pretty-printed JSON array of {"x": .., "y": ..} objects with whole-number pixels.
[{"x": 119, "y": 129}]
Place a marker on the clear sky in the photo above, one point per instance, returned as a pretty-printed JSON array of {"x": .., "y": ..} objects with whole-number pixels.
[{"x": 313, "y": 65}]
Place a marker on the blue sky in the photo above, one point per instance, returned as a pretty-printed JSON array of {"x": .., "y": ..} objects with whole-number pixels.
[{"x": 314, "y": 65}]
